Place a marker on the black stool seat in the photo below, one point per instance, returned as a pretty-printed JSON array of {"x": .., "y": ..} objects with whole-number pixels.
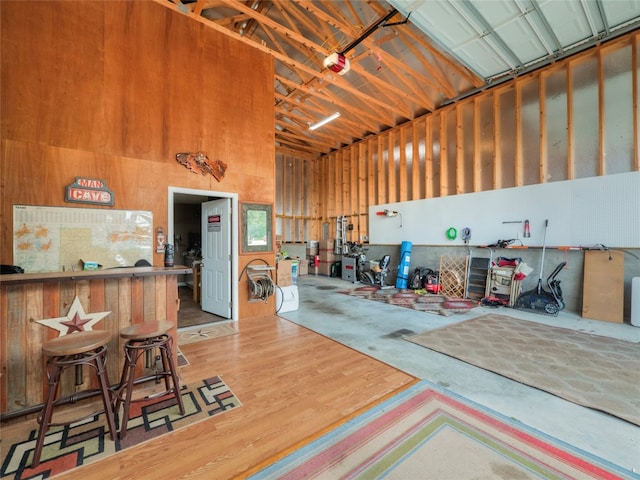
[
  {"x": 143, "y": 339},
  {"x": 74, "y": 350}
]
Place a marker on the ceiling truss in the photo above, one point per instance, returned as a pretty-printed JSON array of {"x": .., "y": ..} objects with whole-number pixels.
[{"x": 407, "y": 57}]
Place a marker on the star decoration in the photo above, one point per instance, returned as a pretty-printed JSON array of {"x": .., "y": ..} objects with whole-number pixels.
[{"x": 75, "y": 321}]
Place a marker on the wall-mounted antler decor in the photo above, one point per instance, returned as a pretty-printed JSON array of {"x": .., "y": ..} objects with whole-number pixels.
[{"x": 198, "y": 162}]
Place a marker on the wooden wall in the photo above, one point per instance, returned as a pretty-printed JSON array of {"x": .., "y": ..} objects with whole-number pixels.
[
  {"x": 113, "y": 90},
  {"x": 577, "y": 118}
]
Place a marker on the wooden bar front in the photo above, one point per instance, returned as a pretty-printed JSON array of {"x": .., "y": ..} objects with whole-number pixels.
[{"x": 131, "y": 295}]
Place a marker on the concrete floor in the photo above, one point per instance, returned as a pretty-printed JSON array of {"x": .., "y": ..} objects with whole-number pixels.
[{"x": 372, "y": 328}]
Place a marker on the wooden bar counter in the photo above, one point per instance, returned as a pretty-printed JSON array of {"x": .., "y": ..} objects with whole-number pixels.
[{"x": 131, "y": 295}]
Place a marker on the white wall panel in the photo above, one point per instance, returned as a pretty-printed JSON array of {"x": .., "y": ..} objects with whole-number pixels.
[{"x": 600, "y": 210}]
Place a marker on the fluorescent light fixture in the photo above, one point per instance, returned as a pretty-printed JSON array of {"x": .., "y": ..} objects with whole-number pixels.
[{"x": 324, "y": 121}]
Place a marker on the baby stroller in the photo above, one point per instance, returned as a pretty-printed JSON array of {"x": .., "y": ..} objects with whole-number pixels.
[{"x": 377, "y": 275}]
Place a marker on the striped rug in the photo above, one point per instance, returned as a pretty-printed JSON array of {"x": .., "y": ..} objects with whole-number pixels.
[{"x": 425, "y": 433}]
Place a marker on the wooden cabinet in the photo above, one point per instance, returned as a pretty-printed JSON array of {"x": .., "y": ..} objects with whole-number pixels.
[{"x": 603, "y": 290}]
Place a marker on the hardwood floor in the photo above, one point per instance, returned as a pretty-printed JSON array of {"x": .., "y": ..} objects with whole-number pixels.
[
  {"x": 191, "y": 313},
  {"x": 294, "y": 384}
]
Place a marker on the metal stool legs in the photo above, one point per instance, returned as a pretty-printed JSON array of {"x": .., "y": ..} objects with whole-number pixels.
[
  {"x": 134, "y": 350},
  {"x": 96, "y": 359}
]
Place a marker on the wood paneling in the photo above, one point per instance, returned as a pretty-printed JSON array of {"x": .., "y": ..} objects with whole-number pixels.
[{"x": 113, "y": 90}]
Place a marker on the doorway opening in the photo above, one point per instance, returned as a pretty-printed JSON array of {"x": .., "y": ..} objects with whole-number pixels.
[{"x": 185, "y": 233}]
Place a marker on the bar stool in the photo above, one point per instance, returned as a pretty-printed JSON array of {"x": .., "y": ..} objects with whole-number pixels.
[
  {"x": 142, "y": 339},
  {"x": 74, "y": 350}
]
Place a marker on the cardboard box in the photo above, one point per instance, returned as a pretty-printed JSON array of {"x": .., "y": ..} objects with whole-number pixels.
[
  {"x": 324, "y": 268},
  {"x": 294, "y": 250},
  {"x": 284, "y": 273},
  {"x": 303, "y": 266},
  {"x": 328, "y": 256},
  {"x": 329, "y": 244},
  {"x": 313, "y": 248}
]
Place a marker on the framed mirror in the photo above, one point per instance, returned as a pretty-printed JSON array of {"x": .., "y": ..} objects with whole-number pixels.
[{"x": 256, "y": 228}]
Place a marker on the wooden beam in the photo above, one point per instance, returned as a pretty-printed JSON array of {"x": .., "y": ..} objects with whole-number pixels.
[
  {"x": 372, "y": 182},
  {"x": 292, "y": 35},
  {"x": 344, "y": 182},
  {"x": 402, "y": 164},
  {"x": 428, "y": 157},
  {"x": 327, "y": 76},
  {"x": 477, "y": 146},
  {"x": 297, "y": 153},
  {"x": 362, "y": 187},
  {"x": 354, "y": 183},
  {"x": 544, "y": 158},
  {"x": 444, "y": 158},
  {"x": 571, "y": 167},
  {"x": 518, "y": 167},
  {"x": 345, "y": 25},
  {"x": 460, "y": 170},
  {"x": 497, "y": 157},
  {"x": 382, "y": 86},
  {"x": 446, "y": 60},
  {"x": 382, "y": 174},
  {"x": 416, "y": 178},
  {"x": 442, "y": 84},
  {"x": 392, "y": 195},
  {"x": 370, "y": 120}
]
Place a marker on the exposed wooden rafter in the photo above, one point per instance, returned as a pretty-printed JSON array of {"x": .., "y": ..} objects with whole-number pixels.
[{"x": 395, "y": 73}]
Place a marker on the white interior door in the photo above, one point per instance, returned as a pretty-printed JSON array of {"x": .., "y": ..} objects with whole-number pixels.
[{"x": 216, "y": 257}]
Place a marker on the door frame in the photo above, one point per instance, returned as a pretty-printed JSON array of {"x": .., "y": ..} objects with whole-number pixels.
[{"x": 235, "y": 301}]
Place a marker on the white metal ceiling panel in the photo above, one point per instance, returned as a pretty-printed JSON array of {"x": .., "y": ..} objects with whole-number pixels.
[
  {"x": 482, "y": 58},
  {"x": 570, "y": 21},
  {"x": 621, "y": 11},
  {"x": 500, "y": 37},
  {"x": 443, "y": 23},
  {"x": 523, "y": 40}
]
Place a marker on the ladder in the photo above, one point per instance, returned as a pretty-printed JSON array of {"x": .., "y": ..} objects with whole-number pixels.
[{"x": 341, "y": 235}]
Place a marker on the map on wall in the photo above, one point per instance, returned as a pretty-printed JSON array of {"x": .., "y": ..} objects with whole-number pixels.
[{"x": 54, "y": 239}]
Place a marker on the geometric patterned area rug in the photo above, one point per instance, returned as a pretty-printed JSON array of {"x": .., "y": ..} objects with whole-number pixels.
[
  {"x": 86, "y": 442},
  {"x": 424, "y": 302},
  {"x": 425, "y": 432},
  {"x": 594, "y": 371}
]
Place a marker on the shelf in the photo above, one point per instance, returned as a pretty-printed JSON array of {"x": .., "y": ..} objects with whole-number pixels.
[{"x": 477, "y": 278}]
